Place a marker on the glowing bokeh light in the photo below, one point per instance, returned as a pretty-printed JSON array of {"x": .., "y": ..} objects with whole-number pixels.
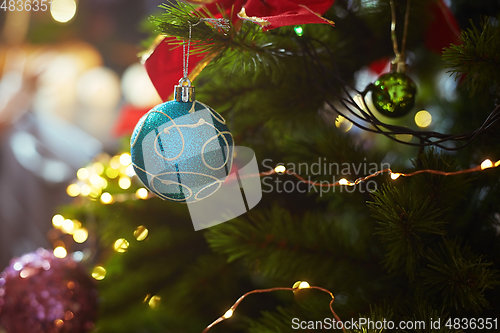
[
  {"x": 68, "y": 315},
  {"x": 106, "y": 198},
  {"x": 82, "y": 174},
  {"x": 81, "y": 235},
  {"x": 141, "y": 233},
  {"x": 124, "y": 182},
  {"x": 78, "y": 256},
  {"x": 68, "y": 226},
  {"x": 73, "y": 190},
  {"x": 85, "y": 190},
  {"x": 125, "y": 159},
  {"x": 57, "y": 221},
  {"x": 58, "y": 323},
  {"x": 98, "y": 168},
  {"x": 99, "y": 273},
  {"x": 137, "y": 87},
  {"x": 142, "y": 193},
  {"x": 60, "y": 252},
  {"x": 115, "y": 162},
  {"x": 25, "y": 273},
  {"x": 95, "y": 179},
  {"x": 423, "y": 119},
  {"x": 121, "y": 245},
  {"x": 63, "y": 10},
  {"x": 154, "y": 302}
]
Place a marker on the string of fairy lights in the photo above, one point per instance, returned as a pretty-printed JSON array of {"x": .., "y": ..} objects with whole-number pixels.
[
  {"x": 93, "y": 181},
  {"x": 111, "y": 179},
  {"x": 296, "y": 287},
  {"x": 281, "y": 169}
]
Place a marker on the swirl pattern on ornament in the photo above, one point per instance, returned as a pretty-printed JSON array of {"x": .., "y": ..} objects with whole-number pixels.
[{"x": 182, "y": 151}]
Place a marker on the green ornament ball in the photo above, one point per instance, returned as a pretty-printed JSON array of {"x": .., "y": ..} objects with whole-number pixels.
[{"x": 394, "y": 94}]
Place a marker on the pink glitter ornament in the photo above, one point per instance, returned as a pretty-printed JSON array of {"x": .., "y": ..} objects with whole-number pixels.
[{"x": 40, "y": 293}]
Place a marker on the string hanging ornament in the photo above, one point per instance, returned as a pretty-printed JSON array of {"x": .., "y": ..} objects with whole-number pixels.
[
  {"x": 182, "y": 150},
  {"x": 393, "y": 94}
]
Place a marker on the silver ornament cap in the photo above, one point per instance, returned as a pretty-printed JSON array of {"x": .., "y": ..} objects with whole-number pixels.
[{"x": 184, "y": 92}]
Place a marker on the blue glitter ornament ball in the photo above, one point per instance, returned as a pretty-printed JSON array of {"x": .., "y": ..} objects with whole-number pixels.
[{"x": 182, "y": 151}]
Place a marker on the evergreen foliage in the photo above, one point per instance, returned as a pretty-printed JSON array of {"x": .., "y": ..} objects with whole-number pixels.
[
  {"x": 417, "y": 248},
  {"x": 455, "y": 275},
  {"x": 246, "y": 49},
  {"x": 406, "y": 224},
  {"x": 477, "y": 58}
]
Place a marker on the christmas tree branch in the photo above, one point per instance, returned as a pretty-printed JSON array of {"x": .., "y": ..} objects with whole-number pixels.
[
  {"x": 405, "y": 224},
  {"x": 314, "y": 251},
  {"x": 477, "y": 58},
  {"x": 243, "y": 47},
  {"x": 179, "y": 19},
  {"x": 456, "y": 275}
]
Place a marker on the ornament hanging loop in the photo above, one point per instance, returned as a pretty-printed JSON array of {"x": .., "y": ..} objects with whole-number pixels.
[
  {"x": 399, "y": 65},
  {"x": 184, "y": 92}
]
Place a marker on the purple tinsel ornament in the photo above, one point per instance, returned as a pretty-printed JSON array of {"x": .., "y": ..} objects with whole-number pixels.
[{"x": 40, "y": 293}]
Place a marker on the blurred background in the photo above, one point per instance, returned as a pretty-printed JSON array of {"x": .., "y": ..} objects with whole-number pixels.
[
  {"x": 71, "y": 85},
  {"x": 66, "y": 74}
]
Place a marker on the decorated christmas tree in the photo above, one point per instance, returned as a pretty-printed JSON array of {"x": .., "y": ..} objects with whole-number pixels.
[{"x": 362, "y": 140}]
